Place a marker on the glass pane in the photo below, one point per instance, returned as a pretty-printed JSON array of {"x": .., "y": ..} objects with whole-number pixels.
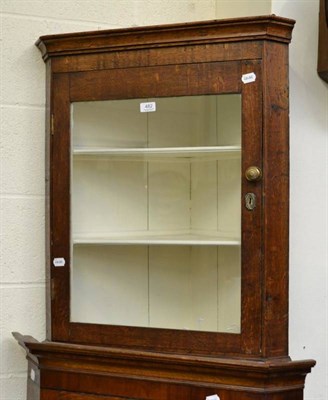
[{"x": 156, "y": 213}]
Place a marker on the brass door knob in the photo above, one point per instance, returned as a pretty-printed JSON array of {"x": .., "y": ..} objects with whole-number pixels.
[{"x": 253, "y": 174}]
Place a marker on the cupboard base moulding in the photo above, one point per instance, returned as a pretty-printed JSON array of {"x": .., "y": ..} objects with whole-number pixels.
[{"x": 71, "y": 371}]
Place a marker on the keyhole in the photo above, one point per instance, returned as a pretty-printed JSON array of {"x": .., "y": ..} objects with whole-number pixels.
[{"x": 250, "y": 201}]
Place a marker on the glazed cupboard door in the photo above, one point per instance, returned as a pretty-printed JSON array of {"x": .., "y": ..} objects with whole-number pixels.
[{"x": 155, "y": 230}]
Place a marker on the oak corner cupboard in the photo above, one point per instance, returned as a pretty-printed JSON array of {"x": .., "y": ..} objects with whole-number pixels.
[{"x": 167, "y": 215}]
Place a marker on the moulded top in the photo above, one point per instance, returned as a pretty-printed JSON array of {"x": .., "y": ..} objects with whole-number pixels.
[{"x": 269, "y": 27}]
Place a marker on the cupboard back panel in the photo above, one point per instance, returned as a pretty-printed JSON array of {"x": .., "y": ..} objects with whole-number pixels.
[
  {"x": 174, "y": 197},
  {"x": 186, "y": 121},
  {"x": 174, "y": 287}
]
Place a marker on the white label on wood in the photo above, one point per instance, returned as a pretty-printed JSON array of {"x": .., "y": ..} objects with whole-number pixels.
[
  {"x": 32, "y": 375},
  {"x": 59, "y": 262},
  {"x": 248, "y": 78},
  {"x": 148, "y": 107},
  {"x": 213, "y": 397}
]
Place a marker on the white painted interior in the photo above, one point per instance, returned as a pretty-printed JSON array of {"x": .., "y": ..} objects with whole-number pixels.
[
  {"x": 110, "y": 285},
  {"x": 22, "y": 277},
  {"x": 166, "y": 286},
  {"x": 152, "y": 190},
  {"x": 183, "y": 198},
  {"x": 190, "y": 121}
]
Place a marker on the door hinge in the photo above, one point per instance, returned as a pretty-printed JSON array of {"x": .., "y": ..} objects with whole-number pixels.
[
  {"x": 52, "y": 124},
  {"x": 53, "y": 289}
]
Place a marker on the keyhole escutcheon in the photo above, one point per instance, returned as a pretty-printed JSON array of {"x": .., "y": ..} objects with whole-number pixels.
[{"x": 250, "y": 201}]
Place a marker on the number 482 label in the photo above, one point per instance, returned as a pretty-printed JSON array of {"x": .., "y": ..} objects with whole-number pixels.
[{"x": 148, "y": 107}]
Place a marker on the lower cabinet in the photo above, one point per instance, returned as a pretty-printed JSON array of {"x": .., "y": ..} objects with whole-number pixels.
[
  {"x": 194, "y": 395},
  {"x": 59, "y": 371}
]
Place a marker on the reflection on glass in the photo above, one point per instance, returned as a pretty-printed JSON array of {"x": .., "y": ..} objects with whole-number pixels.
[{"x": 156, "y": 213}]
